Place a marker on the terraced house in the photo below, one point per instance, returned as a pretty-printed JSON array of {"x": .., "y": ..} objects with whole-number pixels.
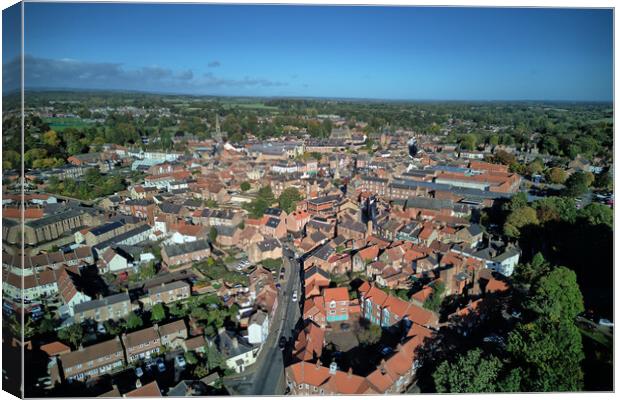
[
  {"x": 166, "y": 293},
  {"x": 385, "y": 310},
  {"x": 93, "y": 361},
  {"x": 141, "y": 344},
  {"x": 52, "y": 226},
  {"x": 112, "y": 307}
]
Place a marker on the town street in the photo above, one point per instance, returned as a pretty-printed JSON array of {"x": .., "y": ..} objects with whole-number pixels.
[{"x": 266, "y": 376}]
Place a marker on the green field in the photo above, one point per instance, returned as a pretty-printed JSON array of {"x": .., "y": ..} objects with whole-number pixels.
[
  {"x": 252, "y": 106},
  {"x": 58, "y": 124}
]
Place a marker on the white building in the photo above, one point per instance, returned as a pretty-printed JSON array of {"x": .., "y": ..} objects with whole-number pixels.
[{"x": 258, "y": 327}]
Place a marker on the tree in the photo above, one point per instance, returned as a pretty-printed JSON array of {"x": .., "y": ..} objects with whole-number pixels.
[
  {"x": 166, "y": 140},
  {"x": 535, "y": 167},
  {"x": 433, "y": 302},
  {"x": 158, "y": 313},
  {"x": 504, "y": 157},
  {"x": 10, "y": 159},
  {"x": 556, "y": 208},
  {"x": 468, "y": 142},
  {"x": 549, "y": 346},
  {"x": 190, "y": 357},
  {"x": 556, "y": 175},
  {"x": 550, "y": 355},
  {"x": 556, "y": 296},
  {"x": 289, "y": 198},
  {"x": 212, "y": 234},
  {"x": 370, "y": 335},
  {"x": 577, "y": 184},
  {"x": 597, "y": 214},
  {"x": 263, "y": 201},
  {"x": 72, "y": 334},
  {"x": 133, "y": 321},
  {"x": 245, "y": 186},
  {"x": 532, "y": 271},
  {"x": 518, "y": 219},
  {"x": 147, "y": 271},
  {"x": 210, "y": 203},
  {"x": 603, "y": 180},
  {"x": 112, "y": 328},
  {"x": 201, "y": 370},
  {"x": 470, "y": 373},
  {"x": 51, "y": 139},
  {"x": 517, "y": 201}
]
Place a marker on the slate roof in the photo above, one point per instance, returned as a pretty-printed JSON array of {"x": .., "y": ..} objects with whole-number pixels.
[
  {"x": 106, "y": 301},
  {"x": 269, "y": 244},
  {"x": 191, "y": 247}
]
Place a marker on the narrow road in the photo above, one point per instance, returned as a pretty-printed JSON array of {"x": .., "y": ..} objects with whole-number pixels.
[{"x": 266, "y": 376}]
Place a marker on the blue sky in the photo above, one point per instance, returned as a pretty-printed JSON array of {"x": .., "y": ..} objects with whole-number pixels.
[{"x": 327, "y": 51}]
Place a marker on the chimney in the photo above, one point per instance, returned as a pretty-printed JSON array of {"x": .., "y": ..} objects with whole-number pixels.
[
  {"x": 369, "y": 228},
  {"x": 382, "y": 366},
  {"x": 350, "y": 372},
  {"x": 333, "y": 368},
  {"x": 235, "y": 342},
  {"x": 138, "y": 383},
  {"x": 318, "y": 364}
]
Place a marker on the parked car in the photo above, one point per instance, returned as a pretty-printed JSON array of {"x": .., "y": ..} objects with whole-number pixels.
[
  {"x": 161, "y": 367},
  {"x": 101, "y": 328},
  {"x": 605, "y": 322},
  {"x": 180, "y": 361},
  {"x": 295, "y": 296},
  {"x": 139, "y": 372},
  {"x": 386, "y": 351},
  {"x": 282, "y": 343},
  {"x": 150, "y": 364}
]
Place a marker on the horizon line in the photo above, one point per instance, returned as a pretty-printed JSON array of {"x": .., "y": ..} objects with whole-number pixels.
[{"x": 296, "y": 97}]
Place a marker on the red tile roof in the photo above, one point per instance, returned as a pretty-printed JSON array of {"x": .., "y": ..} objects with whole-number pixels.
[{"x": 335, "y": 294}]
